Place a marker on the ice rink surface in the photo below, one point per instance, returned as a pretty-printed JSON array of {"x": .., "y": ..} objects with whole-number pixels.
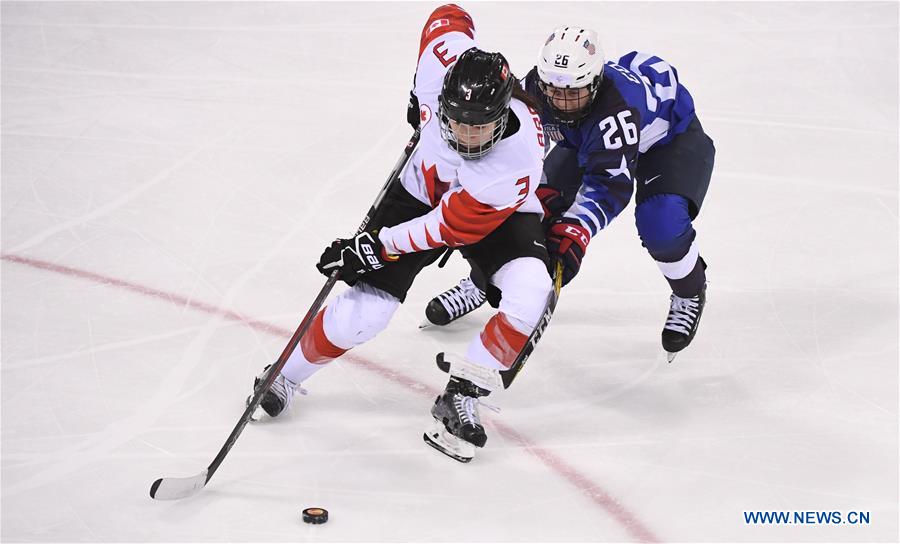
[{"x": 171, "y": 172}]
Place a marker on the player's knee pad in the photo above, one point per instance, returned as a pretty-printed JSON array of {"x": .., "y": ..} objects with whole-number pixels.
[
  {"x": 664, "y": 225},
  {"x": 525, "y": 284},
  {"x": 358, "y": 314}
]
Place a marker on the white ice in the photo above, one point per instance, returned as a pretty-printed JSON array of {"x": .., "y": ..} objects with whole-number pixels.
[{"x": 171, "y": 171}]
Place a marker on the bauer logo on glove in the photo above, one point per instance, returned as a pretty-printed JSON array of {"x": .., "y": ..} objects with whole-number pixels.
[{"x": 355, "y": 256}]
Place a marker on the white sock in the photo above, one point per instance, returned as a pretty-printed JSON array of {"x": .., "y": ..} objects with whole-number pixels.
[{"x": 298, "y": 369}]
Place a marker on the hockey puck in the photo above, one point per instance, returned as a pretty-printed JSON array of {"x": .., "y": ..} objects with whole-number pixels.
[{"x": 315, "y": 515}]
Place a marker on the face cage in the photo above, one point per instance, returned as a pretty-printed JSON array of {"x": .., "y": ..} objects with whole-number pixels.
[
  {"x": 572, "y": 117},
  {"x": 476, "y": 152}
]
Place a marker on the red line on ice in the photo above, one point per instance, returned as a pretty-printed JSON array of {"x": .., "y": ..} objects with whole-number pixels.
[{"x": 597, "y": 494}]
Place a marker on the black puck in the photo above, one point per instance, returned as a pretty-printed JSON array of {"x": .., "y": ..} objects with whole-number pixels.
[{"x": 315, "y": 515}]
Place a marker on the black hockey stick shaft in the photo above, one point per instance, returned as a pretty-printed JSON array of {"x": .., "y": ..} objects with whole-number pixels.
[
  {"x": 445, "y": 257},
  {"x": 273, "y": 371},
  {"x": 508, "y": 375}
]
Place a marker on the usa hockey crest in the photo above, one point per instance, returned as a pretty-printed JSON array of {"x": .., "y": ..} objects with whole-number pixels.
[{"x": 552, "y": 131}]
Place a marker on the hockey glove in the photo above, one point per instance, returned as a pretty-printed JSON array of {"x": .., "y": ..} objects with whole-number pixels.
[
  {"x": 568, "y": 239},
  {"x": 552, "y": 201},
  {"x": 354, "y": 256},
  {"x": 412, "y": 111}
]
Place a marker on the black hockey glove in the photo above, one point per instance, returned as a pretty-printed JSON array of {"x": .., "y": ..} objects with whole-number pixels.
[
  {"x": 412, "y": 111},
  {"x": 568, "y": 239},
  {"x": 354, "y": 256}
]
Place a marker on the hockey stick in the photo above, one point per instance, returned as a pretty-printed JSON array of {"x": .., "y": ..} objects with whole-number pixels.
[
  {"x": 494, "y": 379},
  {"x": 445, "y": 257},
  {"x": 179, "y": 488},
  {"x": 510, "y": 374}
]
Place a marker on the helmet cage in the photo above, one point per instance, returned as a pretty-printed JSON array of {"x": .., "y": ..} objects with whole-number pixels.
[
  {"x": 569, "y": 116},
  {"x": 467, "y": 151}
]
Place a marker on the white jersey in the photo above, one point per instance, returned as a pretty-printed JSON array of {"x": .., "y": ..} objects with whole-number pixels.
[{"x": 470, "y": 198}]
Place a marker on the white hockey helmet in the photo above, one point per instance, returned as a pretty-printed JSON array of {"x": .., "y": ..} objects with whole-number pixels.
[{"x": 571, "y": 58}]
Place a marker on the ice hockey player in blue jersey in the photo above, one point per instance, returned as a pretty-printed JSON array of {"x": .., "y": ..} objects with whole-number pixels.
[{"x": 621, "y": 127}]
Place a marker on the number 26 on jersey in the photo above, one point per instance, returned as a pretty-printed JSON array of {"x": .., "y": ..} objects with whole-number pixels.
[{"x": 612, "y": 125}]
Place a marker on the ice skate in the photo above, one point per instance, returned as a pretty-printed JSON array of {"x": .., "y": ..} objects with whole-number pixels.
[
  {"x": 279, "y": 396},
  {"x": 457, "y": 429},
  {"x": 682, "y": 323},
  {"x": 453, "y": 303},
  {"x": 439, "y": 438}
]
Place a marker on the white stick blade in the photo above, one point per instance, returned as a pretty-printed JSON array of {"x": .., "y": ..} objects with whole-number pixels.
[
  {"x": 486, "y": 378},
  {"x": 169, "y": 489}
]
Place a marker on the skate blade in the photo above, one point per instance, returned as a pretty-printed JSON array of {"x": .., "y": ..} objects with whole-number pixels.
[
  {"x": 438, "y": 438},
  {"x": 670, "y": 355}
]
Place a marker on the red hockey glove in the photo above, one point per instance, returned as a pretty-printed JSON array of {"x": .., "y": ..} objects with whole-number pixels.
[
  {"x": 568, "y": 239},
  {"x": 354, "y": 256},
  {"x": 551, "y": 200}
]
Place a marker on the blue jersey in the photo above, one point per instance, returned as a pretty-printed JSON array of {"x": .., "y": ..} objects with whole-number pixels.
[{"x": 640, "y": 104}]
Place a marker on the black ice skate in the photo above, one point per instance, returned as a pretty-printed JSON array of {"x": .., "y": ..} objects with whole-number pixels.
[
  {"x": 681, "y": 325},
  {"x": 279, "y": 396},
  {"x": 454, "y": 303},
  {"x": 457, "y": 428}
]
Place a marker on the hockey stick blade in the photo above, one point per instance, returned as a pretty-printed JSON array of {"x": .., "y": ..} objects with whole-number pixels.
[
  {"x": 170, "y": 489},
  {"x": 487, "y": 378}
]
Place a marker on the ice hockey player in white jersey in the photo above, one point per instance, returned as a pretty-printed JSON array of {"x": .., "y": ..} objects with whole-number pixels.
[
  {"x": 469, "y": 184},
  {"x": 616, "y": 125}
]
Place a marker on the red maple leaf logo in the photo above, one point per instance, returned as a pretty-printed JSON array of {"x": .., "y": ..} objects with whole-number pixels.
[{"x": 433, "y": 184}]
